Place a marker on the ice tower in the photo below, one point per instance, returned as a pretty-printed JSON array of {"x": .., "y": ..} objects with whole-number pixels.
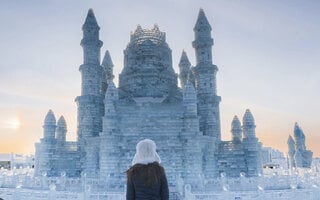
[
  {"x": 251, "y": 145},
  {"x": 184, "y": 66},
  {"x": 90, "y": 103},
  {"x": 205, "y": 79}
]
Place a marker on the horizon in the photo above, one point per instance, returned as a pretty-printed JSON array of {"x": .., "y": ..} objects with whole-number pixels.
[{"x": 266, "y": 53}]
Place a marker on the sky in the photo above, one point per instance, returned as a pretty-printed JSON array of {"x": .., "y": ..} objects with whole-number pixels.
[{"x": 267, "y": 52}]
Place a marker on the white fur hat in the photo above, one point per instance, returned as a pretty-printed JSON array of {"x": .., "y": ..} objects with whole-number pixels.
[{"x": 146, "y": 153}]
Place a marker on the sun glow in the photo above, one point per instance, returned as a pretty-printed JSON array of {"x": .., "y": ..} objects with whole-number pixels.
[{"x": 13, "y": 123}]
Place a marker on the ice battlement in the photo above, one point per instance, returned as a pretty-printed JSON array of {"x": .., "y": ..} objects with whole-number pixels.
[{"x": 154, "y": 35}]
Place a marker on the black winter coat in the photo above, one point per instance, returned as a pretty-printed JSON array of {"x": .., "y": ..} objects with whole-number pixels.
[{"x": 138, "y": 190}]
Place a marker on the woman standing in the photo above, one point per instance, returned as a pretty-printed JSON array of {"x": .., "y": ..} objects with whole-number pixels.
[{"x": 146, "y": 179}]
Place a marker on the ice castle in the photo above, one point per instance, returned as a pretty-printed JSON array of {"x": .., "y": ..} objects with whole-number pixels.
[{"x": 148, "y": 103}]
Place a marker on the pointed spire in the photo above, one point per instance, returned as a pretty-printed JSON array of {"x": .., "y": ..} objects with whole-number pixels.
[
  {"x": 49, "y": 126},
  {"x": 184, "y": 60},
  {"x": 248, "y": 125},
  {"x": 202, "y": 21},
  {"x": 248, "y": 119},
  {"x": 90, "y": 22},
  {"x": 62, "y": 123},
  {"x": 50, "y": 118},
  {"x": 107, "y": 62},
  {"x": 184, "y": 67},
  {"x": 300, "y": 139},
  {"x": 236, "y": 129},
  {"x": 298, "y": 133},
  {"x": 61, "y": 130}
]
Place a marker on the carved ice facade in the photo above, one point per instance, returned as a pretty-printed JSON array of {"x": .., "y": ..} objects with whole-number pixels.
[{"x": 184, "y": 122}]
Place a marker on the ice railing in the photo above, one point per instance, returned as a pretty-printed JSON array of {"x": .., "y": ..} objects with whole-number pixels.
[
  {"x": 18, "y": 183},
  {"x": 294, "y": 185}
]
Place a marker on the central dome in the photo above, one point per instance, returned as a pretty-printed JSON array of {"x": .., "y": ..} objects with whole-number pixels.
[{"x": 148, "y": 68}]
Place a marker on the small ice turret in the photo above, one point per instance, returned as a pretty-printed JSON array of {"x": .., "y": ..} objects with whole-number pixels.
[
  {"x": 190, "y": 99},
  {"x": 184, "y": 66},
  {"x": 61, "y": 130},
  {"x": 251, "y": 145},
  {"x": 248, "y": 125},
  {"x": 49, "y": 126},
  {"x": 107, "y": 67},
  {"x": 236, "y": 129},
  {"x": 46, "y": 148}
]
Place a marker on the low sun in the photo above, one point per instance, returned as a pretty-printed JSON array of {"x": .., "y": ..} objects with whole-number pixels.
[{"x": 14, "y": 123}]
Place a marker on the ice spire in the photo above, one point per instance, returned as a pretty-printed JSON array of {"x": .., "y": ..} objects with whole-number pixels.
[
  {"x": 299, "y": 137},
  {"x": 107, "y": 62},
  {"x": 203, "y": 41},
  {"x": 107, "y": 75},
  {"x": 90, "y": 22},
  {"x": 184, "y": 66},
  {"x": 50, "y": 118},
  {"x": 291, "y": 151},
  {"x": 90, "y": 41},
  {"x": 49, "y": 126},
  {"x": 108, "y": 66},
  {"x": 248, "y": 124},
  {"x": 236, "y": 129},
  {"x": 61, "y": 130},
  {"x": 202, "y": 21}
]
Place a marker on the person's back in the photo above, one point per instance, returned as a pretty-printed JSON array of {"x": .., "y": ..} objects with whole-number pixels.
[
  {"x": 147, "y": 182},
  {"x": 146, "y": 179}
]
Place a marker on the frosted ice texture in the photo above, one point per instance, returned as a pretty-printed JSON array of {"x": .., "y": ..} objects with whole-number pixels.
[
  {"x": 299, "y": 156},
  {"x": 184, "y": 122}
]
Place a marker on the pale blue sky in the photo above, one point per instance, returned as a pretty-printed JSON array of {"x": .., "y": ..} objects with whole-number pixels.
[{"x": 268, "y": 54}]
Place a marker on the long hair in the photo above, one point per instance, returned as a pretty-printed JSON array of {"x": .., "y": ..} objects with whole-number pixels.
[{"x": 150, "y": 173}]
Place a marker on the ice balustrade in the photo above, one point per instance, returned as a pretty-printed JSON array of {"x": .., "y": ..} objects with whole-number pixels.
[{"x": 300, "y": 184}]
